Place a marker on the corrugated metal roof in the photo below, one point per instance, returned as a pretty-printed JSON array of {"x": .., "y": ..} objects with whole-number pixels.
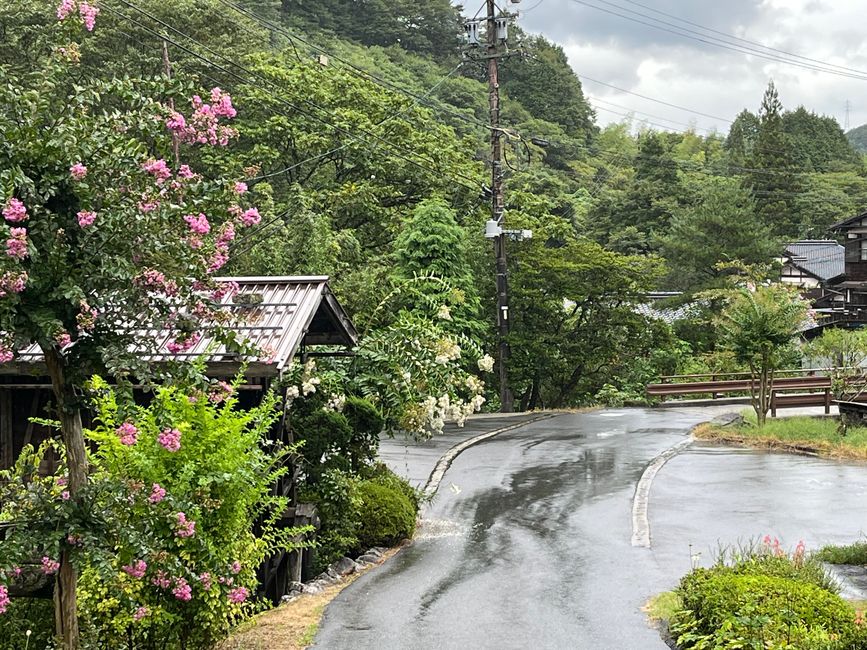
[
  {"x": 275, "y": 314},
  {"x": 821, "y": 258}
]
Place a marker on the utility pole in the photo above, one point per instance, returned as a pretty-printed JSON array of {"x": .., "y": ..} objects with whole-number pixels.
[
  {"x": 846, "y": 125},
  {"x": 494, "y": 34}
]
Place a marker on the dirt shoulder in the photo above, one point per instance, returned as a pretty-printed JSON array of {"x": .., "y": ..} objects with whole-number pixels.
[{"x": 292, "y": 625}]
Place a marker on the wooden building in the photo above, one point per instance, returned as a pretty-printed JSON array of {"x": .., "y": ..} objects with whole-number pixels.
[{"x": 292, "y": 316}]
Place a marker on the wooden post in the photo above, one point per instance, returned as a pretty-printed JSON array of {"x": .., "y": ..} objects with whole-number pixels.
[
  {"x": 773, "y": 403},
  {"x": 827, "y": 401}
]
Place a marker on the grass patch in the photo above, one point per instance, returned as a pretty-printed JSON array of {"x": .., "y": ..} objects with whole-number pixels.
[
  {"x": 798, "y": 434},
  {"x": 850, "y": 554},
  {"x": 663, "y": 606}
]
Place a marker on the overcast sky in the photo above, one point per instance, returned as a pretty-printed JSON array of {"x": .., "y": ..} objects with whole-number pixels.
[{"x": 700, "y": 76}]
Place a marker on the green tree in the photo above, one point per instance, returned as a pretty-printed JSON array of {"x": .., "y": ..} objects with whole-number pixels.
[
  {"x": 721, "y": 225},
  {"x": 759, "y": 327},
  {"x": 843, "y": 350},
  {"x": 774, "y": 177}
]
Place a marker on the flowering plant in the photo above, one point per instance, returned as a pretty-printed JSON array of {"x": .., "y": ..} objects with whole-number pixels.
[{"x": 164, "y": 538}]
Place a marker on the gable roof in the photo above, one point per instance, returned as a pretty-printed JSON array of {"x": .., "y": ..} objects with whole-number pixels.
[
  {"x": 822, "y": 258},
  {"x": 847, "y": 222},
  {"x": 278, "y": 314}
]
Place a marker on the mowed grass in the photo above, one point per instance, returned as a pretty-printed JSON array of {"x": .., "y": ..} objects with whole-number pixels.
[{"x": 799, "y": 434}]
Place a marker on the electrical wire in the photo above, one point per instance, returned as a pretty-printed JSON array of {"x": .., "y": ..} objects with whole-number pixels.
[
  {"x": 686, "y": 33},
  {"x": 392, "y": 148}
]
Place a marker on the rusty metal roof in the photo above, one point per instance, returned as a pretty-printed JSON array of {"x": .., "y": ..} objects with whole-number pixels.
[{"x": 277, "y": 314}]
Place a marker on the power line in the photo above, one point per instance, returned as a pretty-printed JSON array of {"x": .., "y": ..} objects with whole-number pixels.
[
  {"x": 391, "y": 147},
  {"x": 702, "y": 38},
  {"x": 744, "y": 40}
]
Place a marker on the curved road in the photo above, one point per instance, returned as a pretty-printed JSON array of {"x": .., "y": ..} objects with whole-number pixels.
[{"x": 527, "y": 543}]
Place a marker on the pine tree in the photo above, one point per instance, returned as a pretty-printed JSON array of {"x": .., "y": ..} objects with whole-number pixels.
[{"x": 773, "y": 179}]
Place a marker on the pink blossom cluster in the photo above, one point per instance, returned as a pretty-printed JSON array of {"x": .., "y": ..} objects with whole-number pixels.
[
  {"x": 147, "y": 204},
  {"x": 235, "y": 567},
  {"x": 170, "y": 439},
  {"x": 140, "y": 613},
  {"x": 227, "y": 234},
  {"x": 156, "y": 281},
  {"x": 182, "y": 591},
  {"x": 182, "y": 344},
  {"x": 86, "y": 317},
  {"x": 4, "y": 599},
  {"x": 86, "y": 10},
  {"x": 224, "y": 289},
  {"x": 158, "y": 169},
  {"x": 65, "y": 496},
  {"x": 220, "y": 392},
  {"x": 158, "y": 493},
  {"x": 204, "y": 126},
  {"x": 63, "y": 339},
  {"x": 205, "y": 579},
  {"x": 250, "y": 217},
  {"x": 186, "y": 527},
  {"x": 240, "y": 187},
  {"x": 72, "y": 539},
  {"x": 128, "y": 433},
  {"x": 78, "y": 171},
  {"x": 198, "y": 223},
  {"x": 49, "y": 566},
  {"x": 6, "y": 354},
  {"x": 136, "y": 568},
  {"x": 184, "y": 171},
  {"x": 161, "y": 580},
  {"x": 12, "y": 282},
  {"x": 217, "y": 261},
  {"x": 239, "y": 595},
  {"x": 86, "y": 218},
  {"x": 14, "y": 211},
  {"x": 16, "y": 245}
]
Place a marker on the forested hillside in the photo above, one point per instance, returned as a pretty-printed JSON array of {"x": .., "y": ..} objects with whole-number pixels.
[
  {"x": 363, "y": 128},
  {"x": 858, "y": 138}
]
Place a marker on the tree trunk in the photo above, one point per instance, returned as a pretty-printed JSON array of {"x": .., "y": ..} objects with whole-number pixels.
[
  {"x": 69, "y": 413},
  {"x": 535, "y": 393}
]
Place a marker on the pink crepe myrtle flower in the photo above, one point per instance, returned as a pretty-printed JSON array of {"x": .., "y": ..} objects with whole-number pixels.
[
  {"x": 195, "y": 242},
  {"x": 182, "y": 591},
  {"x": 235, "y": 567},
  {"x": 128, "y": 433},
  {"x": 61, "y": 480},
  {"x": 217, "y": 261},
  {"x": 250, "y": 217},
  {"x": 86, "y": 317},
  {"x": 86, "y": 218},
  {"x": 140, "y": 613},
  {"x": 65, "y": 495},
  {"x": 74, "y": 540},
  {"x": 238, "y": 595},
  {"x": 161, "y": 580},
  {"x": 227, "y": 233},
  {"x": 12, "y": 282},
  {"x": 65, "y": 8},
  {"x": 222, "y": 103},
  {"x": 146, "y": 206},
  {"x": 240, "y": 187},
  {"x": 158, "y": 169},
  {"x": 16, "y": 245},
  {"x": 136, "y": 568},
  {"x": 78, "y": 171},
  {"x": 176, "y": 122},
  {"x": 14, "y": 211},
  {"x": 220, "y": 392},
  {"x": 49, "y": 566},
  {"x": 63, "y": 339},
  {"x": 4, "y": 599},
  {"x": 170, "y": 439},
  {"x": 198, "y": 223},
  {"x": 158, "y": 493},
  {"x": 182, "y": 344},
  {"x": 6, "y": 355},
  {"x": 225, "y": 289},
  {"x": 184, "y": 171},
  {"x": 205, "y": 579},
  {"x": 88, "y": 13},
  {"x": 186, "y": 527}
]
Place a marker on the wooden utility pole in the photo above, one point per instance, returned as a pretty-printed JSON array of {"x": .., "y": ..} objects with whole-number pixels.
[{"x": 497, "y": 212}]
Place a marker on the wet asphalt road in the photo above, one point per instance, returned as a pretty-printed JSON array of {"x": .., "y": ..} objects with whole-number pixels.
[{"x": 527, "y": 544}]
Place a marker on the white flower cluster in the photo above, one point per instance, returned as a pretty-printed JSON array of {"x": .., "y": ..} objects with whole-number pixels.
[
  {"x": 444, "y": 313},
  {"x": 440, "y": 410},
  {"x": 335, "y": 403},
  {"x": 446, "y": 350},
  {"x": 308, "y": 381},
  {"x": 474, "y": 384},
  {"x": 486, "y": 363}
]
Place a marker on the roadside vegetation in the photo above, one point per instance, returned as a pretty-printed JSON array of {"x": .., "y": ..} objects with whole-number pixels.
[
  {"x": 855, "y": 553},
  {"x": 761, "y": 597}
]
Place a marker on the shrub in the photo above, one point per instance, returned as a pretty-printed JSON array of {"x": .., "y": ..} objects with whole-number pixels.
[
  {"x": 386, "y": 515},
  {"x": 337, "y": 499},
  {"x": 367, "y": 423},
  {"x": 380, "y": 473},
  {"x": 325, "y": 435},
  {"x": 852, "y": 554}
]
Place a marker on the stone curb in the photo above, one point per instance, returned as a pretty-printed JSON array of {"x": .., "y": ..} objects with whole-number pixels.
[
  {"x": 641, "y": 499},
  {"x": 443, "y": 464}
]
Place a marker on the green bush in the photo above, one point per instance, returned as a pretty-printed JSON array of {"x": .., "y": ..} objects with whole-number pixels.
[
  {"x": 741, "y": 607},
  {"x": 337, "y": 499},
  {"x": 366, "y": 422},
  {"x": 380, "y": 473},
  {"x": 852, "y": 554},
  {"x": 325, "y": 435},
  {"x": 386, "y": 515}
]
